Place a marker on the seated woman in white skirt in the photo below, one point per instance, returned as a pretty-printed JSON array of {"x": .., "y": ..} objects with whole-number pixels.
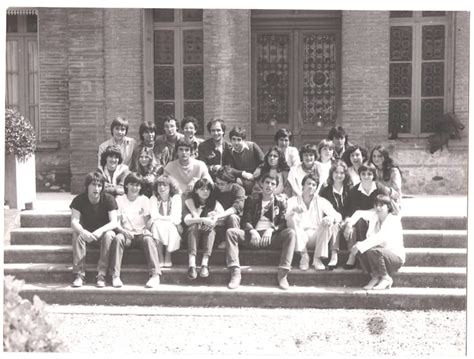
[
  {"x": 165, "y": 212},
  {"x": 382, "y": 252},
  {"x": 314, "y": 220}
]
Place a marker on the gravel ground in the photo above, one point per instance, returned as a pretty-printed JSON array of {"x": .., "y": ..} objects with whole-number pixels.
[{"x": 251, "y": 331}]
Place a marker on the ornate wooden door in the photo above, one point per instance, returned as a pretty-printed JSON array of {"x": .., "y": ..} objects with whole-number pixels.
[{"x": 295, "y": 81}]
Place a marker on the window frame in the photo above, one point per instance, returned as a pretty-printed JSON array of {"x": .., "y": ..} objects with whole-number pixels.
[
  {"x": 416, "y": 22},
  {"x": 26, "y": 99},
  {"x": 178, "y": 26}
]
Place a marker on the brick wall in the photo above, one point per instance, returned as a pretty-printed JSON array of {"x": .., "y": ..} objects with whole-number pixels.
[
  {"x": 53, "y": 165},
  {"x": 227, "y": 67},
  {"x": 86, "y": 90},
  {"x": 123, "y": 51},
  {"x": 365, "y": 68}
]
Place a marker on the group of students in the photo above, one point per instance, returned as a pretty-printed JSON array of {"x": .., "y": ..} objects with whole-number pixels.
[{"x": 176, "y": 188}]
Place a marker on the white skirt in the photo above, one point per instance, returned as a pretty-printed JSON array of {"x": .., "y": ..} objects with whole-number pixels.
[{"x": 167, "y": 234}]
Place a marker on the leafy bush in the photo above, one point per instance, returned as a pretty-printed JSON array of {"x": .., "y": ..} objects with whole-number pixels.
[
  {"x": 20, "y": 138},
  {"x": 25, "y": 327}
]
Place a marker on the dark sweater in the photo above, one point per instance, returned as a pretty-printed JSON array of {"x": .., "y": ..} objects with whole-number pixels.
[
  {"x": 327, "y": 193},
  {"x": 248, "y": 160},
  {"x": 233, "y": 198},
  {"x": 356, "y": 200}
]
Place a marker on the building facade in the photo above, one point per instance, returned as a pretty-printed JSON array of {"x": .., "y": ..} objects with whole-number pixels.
[{"x": 386, "y": 77}]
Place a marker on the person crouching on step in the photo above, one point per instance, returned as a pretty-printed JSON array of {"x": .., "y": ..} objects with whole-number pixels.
[{"x": 381, "y": 253}]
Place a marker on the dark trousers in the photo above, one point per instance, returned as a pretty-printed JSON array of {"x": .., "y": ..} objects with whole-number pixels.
[
  {"x": 379, "y": 261},
  {"x": 359, "y": 233},
  {"x": 144, "y": 242},
  {"x": 284, "y": 240},
  {"x": 196, "y": 235},
  {"x": 232, "y": 221},
  {"x": 79, "y": 252}
]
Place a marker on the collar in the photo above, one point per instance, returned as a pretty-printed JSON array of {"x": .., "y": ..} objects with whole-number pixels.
[
  {"x": 244, "y": 147},
  {"x": 361, "y": 189},
  {"x": 338, "y": 192}
]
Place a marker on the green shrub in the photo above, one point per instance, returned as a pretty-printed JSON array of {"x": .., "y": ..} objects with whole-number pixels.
[
  {"x": 20, "y": 138},
  {"x": 25, "y": 326}
]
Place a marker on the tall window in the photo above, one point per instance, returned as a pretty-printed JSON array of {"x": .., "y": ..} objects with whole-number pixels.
[
  {"x": 420, "y": 89},
  {"x": 22, "y": 73},
  {"x": 177, "y": 64}
]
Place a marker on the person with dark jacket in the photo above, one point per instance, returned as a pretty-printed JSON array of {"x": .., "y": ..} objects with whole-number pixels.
[
  {"x": 212, "y": 150},
  {"x": 263, "y": 225}
]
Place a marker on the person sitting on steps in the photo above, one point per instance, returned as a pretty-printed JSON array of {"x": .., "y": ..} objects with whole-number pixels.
[
  {"x": 263, "y": 225},
  {"x": 134, "y": 209},
  {"x": 93, "y": 220}
]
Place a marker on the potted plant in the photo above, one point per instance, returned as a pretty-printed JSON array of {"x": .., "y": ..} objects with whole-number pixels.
[{"x": 20, "y": 146}]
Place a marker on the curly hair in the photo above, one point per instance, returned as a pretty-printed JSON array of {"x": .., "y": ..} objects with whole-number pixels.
[
  {"x": 282, "y": 165},
  {"x": 308, "y": 149},
  {"x": 346, "y": 156}
]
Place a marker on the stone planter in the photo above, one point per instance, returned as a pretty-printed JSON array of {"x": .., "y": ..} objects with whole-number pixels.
[{"x": 20, "y": 182}]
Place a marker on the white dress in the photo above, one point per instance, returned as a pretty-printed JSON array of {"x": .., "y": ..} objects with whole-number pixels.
[{"x": 164, "y": 226}]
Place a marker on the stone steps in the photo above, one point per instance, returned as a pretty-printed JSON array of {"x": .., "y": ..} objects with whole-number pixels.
[
  {"x": 426, "y": 277},
  {"x": 433, "y": 277},
  {"x": 397, "y": 298},
  {"x": 445, "y": 257},
  {"x": 63, "y": 219},
  {"x": 412, "y": 237}
]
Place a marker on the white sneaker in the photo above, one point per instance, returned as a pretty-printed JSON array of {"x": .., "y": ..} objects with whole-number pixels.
[
  {"x": 221, "y": 245},
  {"x": 116, "y": 282},
  {"x": 372, "y": 283},
  {"x": 153, "y": 282},
  {"x": 304, "y": 261},
  {"x": 318, "y": 265},
  {"x": 333, "y": 261}
]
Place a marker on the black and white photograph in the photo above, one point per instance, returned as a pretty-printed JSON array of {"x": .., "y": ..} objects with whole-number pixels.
[{"x": 236, "y": 179}]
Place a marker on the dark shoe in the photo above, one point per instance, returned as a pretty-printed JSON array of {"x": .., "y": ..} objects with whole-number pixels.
[
  {"x": 192, "y": 273},
  {"x": 282, "y": 277},
  {"x": 235, "y": 278},
  {"x": 78, "y": 281},
  {"x": 330, "y": 268},
  {"x": 204, "y": 272},
  {"x": 349, "y": 266}
]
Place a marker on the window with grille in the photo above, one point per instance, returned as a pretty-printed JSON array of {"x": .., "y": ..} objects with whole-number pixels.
[
  {"x": 176, "y": 65},
  {"x": 420, "y": 71}
]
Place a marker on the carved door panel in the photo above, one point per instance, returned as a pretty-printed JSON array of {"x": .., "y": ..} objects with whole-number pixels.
[{"x": 295, "y": 83}]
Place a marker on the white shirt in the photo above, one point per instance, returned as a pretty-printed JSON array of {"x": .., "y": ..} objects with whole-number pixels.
[
  {"x": 389, "y": 235},
  {"x": 176, "y": 209},
  {"x": 295, "y": 176},
  {"x": 292, "y": 156},
  {"x": 263, "y": 223},
  {"x": 133, "y": 213},
  {"x": 323, "y": 170},
  {"x": 312, "y": 216}
]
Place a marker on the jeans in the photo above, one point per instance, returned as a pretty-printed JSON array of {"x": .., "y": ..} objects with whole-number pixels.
[
  {"x": 285, "y": 239},
  {"x": 232, "y": 221},
  {"x": 144, "y": 242},
  {"x": 79, "y": 253},
  {"x": 195, "y": 235},
  {"x": 379, "y": 261}
]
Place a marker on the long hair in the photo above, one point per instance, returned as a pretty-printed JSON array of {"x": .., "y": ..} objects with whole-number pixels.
[
  {"x": 211, "y": 200},
  {"x": 145, "y": 170},
  {"x": 147, "y": 126},
  {"x": 387, "y": 164},
  {"x": 347, "y": 182},
  {"x": 282, "y": 165}
]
